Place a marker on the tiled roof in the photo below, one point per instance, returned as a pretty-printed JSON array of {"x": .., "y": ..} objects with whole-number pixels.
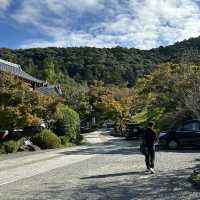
[
  {"x": 9, "y": 63},
  {"x": 48, "y": 91},
  {"x": 17, "y": 71},
  {"x": 45, "y": 89}
]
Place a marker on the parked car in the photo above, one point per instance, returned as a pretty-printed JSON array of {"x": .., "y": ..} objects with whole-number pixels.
[
  {"x": 84, "y": 129},
  {"x": 110, "y": 125},
  {"x": 187, "y": 135},
  {"x": 133, "y": 131},
  {"x": 16, "y": 134}
]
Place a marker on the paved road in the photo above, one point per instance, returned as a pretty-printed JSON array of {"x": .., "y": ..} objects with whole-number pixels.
[{"x": 110, "y": 168}]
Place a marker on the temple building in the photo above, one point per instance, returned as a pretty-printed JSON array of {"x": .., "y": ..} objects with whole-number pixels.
[{"x": 43, "y": 87}]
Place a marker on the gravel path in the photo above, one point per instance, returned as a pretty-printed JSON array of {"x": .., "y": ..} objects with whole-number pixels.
[{"x": 115, "y": 171}]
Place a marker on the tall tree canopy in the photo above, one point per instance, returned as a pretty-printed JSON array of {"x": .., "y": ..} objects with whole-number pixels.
[{"x": 19, "y": 106}]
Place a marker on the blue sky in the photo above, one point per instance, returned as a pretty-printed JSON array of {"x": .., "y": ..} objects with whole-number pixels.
[{"x": 143, "y": 24}]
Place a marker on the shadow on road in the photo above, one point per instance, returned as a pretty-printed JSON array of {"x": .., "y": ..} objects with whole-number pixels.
[
  {"x": 113, "y": 175},
  {"x": 112, "y": 147},
  {"x": 136, "y": 185},
  {"x": 126, "y": 186},
  {"x": 119, "y": 146},
  {"x": 183, "y": 150}
]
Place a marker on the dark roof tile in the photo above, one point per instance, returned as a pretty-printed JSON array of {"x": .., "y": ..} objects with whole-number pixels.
[{"x": 46, "y": 89}]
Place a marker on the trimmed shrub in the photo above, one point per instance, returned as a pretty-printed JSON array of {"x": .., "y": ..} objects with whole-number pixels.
[
  {"x": 46, "y": 140},
  {"x": 65, "y": 141},
  {"x": 11, "y": 146},
  {"x": 67, "y": 122}
]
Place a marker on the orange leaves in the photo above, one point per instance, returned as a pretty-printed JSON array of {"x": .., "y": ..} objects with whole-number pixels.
[
  {"x": 21, "y": 107},
  {"x": 111, "y": 102}
]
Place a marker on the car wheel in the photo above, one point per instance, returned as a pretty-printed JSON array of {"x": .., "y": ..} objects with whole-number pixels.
[{"x": 173, "y": 144}]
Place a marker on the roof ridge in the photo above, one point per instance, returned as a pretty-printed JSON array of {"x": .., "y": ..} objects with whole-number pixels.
[{"x": 10, "y": 63}]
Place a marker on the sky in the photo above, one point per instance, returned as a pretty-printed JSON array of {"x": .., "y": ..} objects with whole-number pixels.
[{"x": 142, "y": 24}]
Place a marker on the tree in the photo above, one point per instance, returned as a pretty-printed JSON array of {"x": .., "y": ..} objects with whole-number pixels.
[
  {"x": 19, "y": 106},
  {"x": 110, "y": 103},
  {"x": 168, "y": 95},
  {"x": 76, "y": 97},
  {"x": 67, "y": 122},
  {"x": 49, "y": 71},
  {"x": 189, "y": 94}
]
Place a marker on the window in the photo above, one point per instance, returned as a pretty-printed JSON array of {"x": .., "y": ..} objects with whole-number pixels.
[{"x": 191, "y": 126}]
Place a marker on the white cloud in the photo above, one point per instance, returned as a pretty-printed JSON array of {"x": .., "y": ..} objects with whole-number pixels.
[
  {"x": 52, "y": 17},
  {"x": 60, "y": 7},
  {"x": 152, "y": 23},
  {"x": 105, "y": 23},
  {"x": 32, "y": 11},
  {"x": 4, "y": 4},
  {"x": 74, "y": 39}
]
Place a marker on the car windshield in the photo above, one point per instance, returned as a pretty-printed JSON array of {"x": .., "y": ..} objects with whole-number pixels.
[{"x": 190, "y": 126}]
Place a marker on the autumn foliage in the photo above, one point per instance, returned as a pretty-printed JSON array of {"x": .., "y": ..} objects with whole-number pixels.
[{"x": 19, "y": 106}]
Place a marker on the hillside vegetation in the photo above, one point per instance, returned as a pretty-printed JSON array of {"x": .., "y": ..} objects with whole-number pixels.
[
  {"x": 120, "y": 84},
  {"x": 116, "y": 65}
]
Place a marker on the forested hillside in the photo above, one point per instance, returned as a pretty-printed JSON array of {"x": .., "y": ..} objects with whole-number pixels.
[
  {"x": 120, "y": 84},
  {"x": 118, "y": 65}
]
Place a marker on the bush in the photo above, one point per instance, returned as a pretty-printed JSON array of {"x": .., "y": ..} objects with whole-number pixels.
[
  {"x": 65, "y": 141},
  {"x": 46, "y": 140},
  {"x": 67, "y": 122},
  {"x": 11, "y": 146}
]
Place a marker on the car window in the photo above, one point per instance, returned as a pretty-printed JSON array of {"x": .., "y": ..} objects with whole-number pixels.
[{"x": 191, "y": 126}]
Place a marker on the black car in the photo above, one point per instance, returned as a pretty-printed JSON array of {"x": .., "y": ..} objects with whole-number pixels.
[
  {"x": 84, "y": 129},
  {"x": 19, "y": 133},
  {"x": 188, "y": 135},
  {"x": 133, "y": 131}
]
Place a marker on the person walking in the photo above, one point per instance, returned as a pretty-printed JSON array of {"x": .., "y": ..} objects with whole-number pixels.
[{"x": 150, "y": 138}]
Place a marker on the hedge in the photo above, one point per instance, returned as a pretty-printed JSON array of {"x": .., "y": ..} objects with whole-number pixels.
[
  {"x": 10, "y": 146},
  {"x": 67, "y": 123},
  {"x": 46, "y": 140}
]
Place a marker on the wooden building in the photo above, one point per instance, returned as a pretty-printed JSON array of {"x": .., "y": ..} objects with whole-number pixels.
[{"x": 43, "y": 87}]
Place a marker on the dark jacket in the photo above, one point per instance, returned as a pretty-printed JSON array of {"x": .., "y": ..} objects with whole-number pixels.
[{"x": 150, "y": 137}]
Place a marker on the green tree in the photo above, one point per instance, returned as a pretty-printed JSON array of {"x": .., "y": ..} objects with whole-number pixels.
[
  {"x": 67, "y": 122},
  {"x": 111, "y": 103},
  {"x": 169, "y": 94},
  {"x": 49, "y": 71}
]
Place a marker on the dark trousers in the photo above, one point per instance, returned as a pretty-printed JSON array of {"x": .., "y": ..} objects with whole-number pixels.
[{"x": 150, "y": 157}]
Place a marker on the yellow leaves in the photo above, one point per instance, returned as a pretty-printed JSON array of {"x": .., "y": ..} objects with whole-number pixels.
[
  {"x": 32, "y": 119},
  {"x": 164, "y": 72},
  {"x": 20, "y": 106},
  {"x": 98, "y": 83},
  {"x": 140, "y": 117},
  {"x": 111, "y": 101},
  {"x": 151, "y": 97},
  {"x": 169, "y": 86}
]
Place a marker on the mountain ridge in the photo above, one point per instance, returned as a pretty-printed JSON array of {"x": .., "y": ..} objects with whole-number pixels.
[{"x": 117, "y": 65}]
